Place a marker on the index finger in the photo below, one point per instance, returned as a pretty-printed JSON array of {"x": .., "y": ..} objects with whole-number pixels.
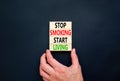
[
  {"x": 53, "y": 62},
  {"x": 42, "y": 60},
  {"x": 45, "y": 66}
]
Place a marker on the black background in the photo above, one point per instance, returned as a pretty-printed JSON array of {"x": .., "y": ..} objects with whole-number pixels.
[{"x": 24, "y": 28}]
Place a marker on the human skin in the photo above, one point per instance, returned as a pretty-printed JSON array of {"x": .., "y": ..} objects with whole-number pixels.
[{"x": 51, "y": 70}]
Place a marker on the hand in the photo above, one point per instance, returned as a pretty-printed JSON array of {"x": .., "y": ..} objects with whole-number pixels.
[{"x": 52, "y": 70}]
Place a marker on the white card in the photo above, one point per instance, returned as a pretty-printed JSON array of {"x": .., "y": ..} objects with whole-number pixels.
[{"x": 60, "y": 35}]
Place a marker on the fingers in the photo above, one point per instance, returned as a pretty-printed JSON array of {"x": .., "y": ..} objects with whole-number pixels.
[
  {"x": 74, "y": 57},
  {"x": 44, "y": 74},
  {"x": 54, "y": 63},
  {"x": 44, "y": 66}
]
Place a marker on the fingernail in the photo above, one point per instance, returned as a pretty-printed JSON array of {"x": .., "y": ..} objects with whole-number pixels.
[
  {"x": 47, "y": 50},
  {"x": 74, "y": 50},
  {"x": 44, "y": 54}
]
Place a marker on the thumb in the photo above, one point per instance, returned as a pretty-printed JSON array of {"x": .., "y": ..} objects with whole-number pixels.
[{"x": 74, "y": 57}]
